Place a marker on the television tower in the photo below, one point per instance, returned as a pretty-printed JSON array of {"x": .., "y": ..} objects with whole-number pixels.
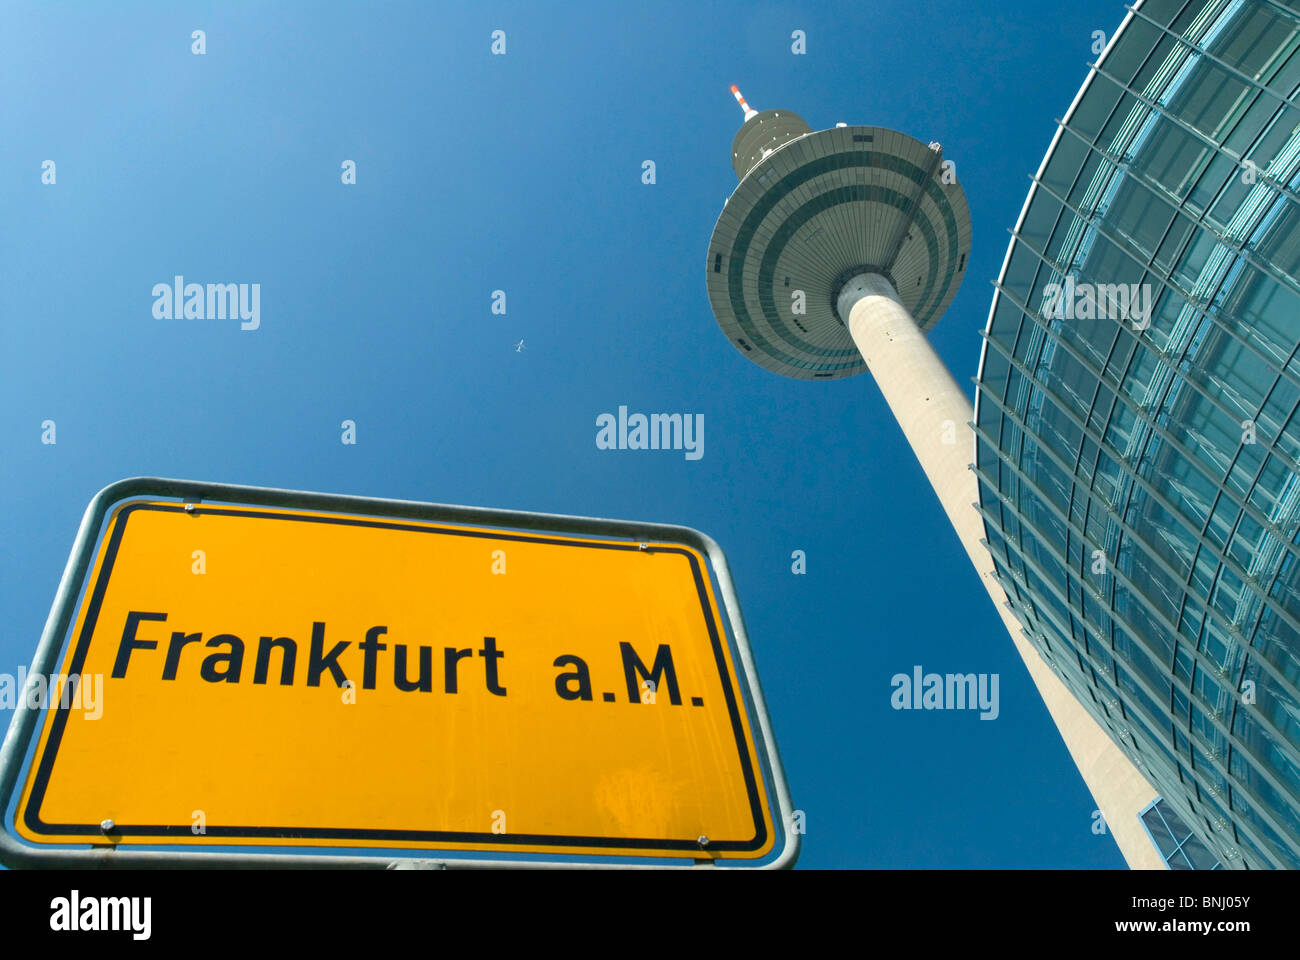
[{"x": 835, "y": 255}]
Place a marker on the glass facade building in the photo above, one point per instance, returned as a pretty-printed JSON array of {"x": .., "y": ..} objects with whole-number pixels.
[{"x": 1138, "y": 470}]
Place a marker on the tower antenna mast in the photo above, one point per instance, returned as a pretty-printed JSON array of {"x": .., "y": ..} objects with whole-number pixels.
[{"x": 750, "y": 112}]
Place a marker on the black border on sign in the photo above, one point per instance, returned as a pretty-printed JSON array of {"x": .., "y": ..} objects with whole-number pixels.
[{"x": 45, "y": 763}]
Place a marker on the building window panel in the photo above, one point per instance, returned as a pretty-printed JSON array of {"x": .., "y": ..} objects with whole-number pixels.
[
  {"x": 1185, "y": 484},
  {"x": 1108, "y": 263},
  {"x": 1222, "y": 522},
  {"x": 1127, "y": 57},
  {"x": 1021, "y": 269},
  {"x": 1159, "y": 590},
  {"x": 1155, "y": 674},
  {"x": 1167, "y": 254},
  {"x": 1277, "y": 135},
  {"x": 1189, "y": 627},
  {"x": 1141, "y": 216},
  {"x": 1247, "y": 543},
  {"x": 1249, "y": 43},
  {"x": 1280, "y": 706},
  {"x": 1263, "y": 111},
  {"x": 1264, "y": 751},
  {"x": 1281, "y": 850},
  {"x": 1037, "y": 228},
  {"x": 1131, "y": 116},
  {"x": 1241, "y": 479},
  {"x": 1173, "y": 157},
  {"x": 1264, "y": 311},
  {"x": 1232, "y": 599},
  {"x": 1209, "y": 99},
  {"x": 1188, "y": 273},
  {"x": 1277, "y": 415},
  {"x": 1281, "y": 244},
  {"x": 1203, "y": 572},
  {"x": 1286, "y": 590}
]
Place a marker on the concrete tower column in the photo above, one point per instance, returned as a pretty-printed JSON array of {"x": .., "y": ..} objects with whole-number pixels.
[
  {"x": 932, "y": 409},
  {"x": 935, "y": 415}
]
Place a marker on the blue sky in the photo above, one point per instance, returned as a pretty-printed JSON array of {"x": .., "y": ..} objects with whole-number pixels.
[{"x": 522, "y": 173}]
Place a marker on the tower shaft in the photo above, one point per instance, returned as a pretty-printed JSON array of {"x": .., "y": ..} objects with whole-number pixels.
[{"x": 936, "y": 417}]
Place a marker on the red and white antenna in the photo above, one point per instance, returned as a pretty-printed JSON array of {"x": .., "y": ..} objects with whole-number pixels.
[{"x": 750, "y": 112}]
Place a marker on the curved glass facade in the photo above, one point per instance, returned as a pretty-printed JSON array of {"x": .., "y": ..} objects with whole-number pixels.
[{"x": 1137, "y": 434}]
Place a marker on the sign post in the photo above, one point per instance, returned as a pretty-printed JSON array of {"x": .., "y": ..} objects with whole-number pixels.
[{"x": 235, "y": 667}]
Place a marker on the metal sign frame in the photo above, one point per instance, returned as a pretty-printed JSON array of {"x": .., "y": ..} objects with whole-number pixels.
[{"x": 15, "y": 852}]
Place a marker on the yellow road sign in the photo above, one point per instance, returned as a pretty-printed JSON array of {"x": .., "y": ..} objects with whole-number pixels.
[{"x": 247, "y": 675}]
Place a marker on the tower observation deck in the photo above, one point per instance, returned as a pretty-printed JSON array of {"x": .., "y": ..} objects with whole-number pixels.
[{"x": 813, "y": 212}]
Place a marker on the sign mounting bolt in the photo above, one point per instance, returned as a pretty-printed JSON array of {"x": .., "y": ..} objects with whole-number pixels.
[
  {"x": 702, "y": 840},
  {"x": 107, "y": 825},
  {"x": 189, "y": 508}
]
